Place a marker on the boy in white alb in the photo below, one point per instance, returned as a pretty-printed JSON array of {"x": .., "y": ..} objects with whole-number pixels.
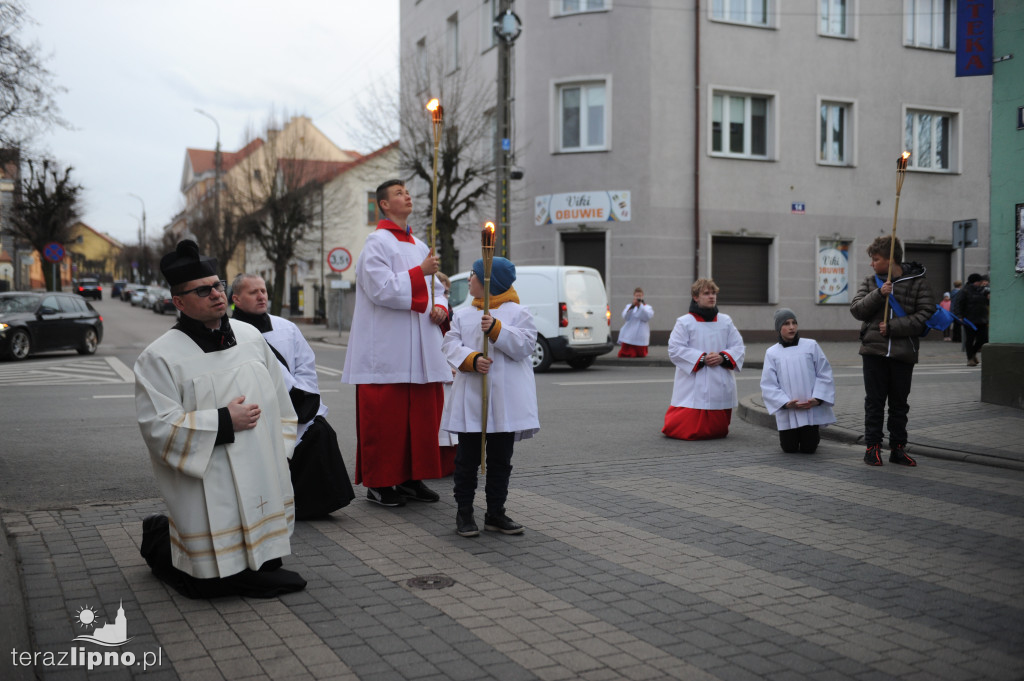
[
  {"x": 797, "y": 386},
  {"x": 512, "y": 403},
  {"x": 635, "y": 334},
  {"x": 394, "y": 358},
  {"x": 706, "y": 349}
]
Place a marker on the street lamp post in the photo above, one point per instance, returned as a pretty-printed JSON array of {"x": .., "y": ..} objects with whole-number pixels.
[
  {"x": 216, "y": 180},
  {"x": 144, "y": 270},
  {"x": 507, "y": 28}
]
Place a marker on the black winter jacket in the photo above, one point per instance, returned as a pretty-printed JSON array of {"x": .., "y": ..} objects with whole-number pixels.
[{"x": 913, "y": 293}]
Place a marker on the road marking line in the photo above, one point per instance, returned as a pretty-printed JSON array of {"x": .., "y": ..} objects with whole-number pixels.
[{"x": 111, "y": 397}]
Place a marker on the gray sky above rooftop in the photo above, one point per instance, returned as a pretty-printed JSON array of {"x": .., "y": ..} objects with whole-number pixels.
[{"x": 135, "y": 71}]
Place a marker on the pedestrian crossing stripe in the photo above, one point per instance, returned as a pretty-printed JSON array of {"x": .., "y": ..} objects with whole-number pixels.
[{"x": 93, "y": 370}]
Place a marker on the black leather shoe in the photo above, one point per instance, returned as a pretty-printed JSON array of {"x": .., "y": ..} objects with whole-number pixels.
[
  {"x": 501, "y": 523},
  {"x": 415, "y": 489},
  {"x": 465, "y": 526},
  {"x": 385, "y": 496}
]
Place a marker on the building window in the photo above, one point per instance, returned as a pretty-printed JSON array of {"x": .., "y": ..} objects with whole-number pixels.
[
  {"x": 834, "y": 132},
  {"x": 753, "y": 12},
  {"x": 452, "y": 44},
  {"x": 740, "y": 125},
  {"x": 929, "y": 23},
  {"x": 488, "y": 13},
  {"x": 929, "y": 137},
  {"x": 372, "y": 209},
  {"x": 578, "y": 6},
  {"x": 583, "y": 117},
  {"x": 834, "y": 18},
  {"x": 741, "y": 267}
]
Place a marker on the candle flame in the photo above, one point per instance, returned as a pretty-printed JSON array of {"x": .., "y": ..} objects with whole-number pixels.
[{"x": 433, "y": 104}]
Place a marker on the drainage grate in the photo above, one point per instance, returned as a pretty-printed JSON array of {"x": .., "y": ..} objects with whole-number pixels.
[{"x": 430, "y": 582}]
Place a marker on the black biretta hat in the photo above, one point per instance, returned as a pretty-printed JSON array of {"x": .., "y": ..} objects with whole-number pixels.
[{"x": 185, "y": 264}]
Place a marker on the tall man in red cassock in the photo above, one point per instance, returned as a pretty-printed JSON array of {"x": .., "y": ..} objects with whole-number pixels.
[{"x": 394, "y": 358}]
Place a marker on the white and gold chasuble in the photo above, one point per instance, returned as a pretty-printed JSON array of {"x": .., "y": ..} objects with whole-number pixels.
[{"x": 231, "y": 506}]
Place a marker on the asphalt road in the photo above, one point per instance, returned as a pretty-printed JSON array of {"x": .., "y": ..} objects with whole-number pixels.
[{"x": 70, "y": 436}]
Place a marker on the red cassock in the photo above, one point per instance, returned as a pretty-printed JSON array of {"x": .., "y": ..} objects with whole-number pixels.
[{"x": 398, "y": 417}]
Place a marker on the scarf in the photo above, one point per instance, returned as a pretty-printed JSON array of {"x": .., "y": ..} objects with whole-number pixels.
[
  {"x": 707, "y": 314},
  {"x": 260, "y": 321},
  {"x": 789, "y": 344},
  {"x": 509, "y": 296},
  {"x": 208, "y": 340}
]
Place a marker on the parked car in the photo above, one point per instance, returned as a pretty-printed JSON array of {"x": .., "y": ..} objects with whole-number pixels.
[
  {"x": 45, "y": 322},
  {"x": 160, "y": 300},
  {"x": 569, "y": 307},
  {"x": 90, "y": 288},
  {"x": 126, "y": 291},
  {"x": 115, "y": 291},
  {"x": 138, "y": 296}
]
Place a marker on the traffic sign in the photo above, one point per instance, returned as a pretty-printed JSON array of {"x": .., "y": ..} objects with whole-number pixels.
[
  {"x": 53, "y": 252},
  {"x": 339, "y": 259},
  {"x": 965, "y": 234}
]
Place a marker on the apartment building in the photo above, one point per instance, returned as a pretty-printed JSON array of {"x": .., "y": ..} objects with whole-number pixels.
[{"x": 752, "y": 142}]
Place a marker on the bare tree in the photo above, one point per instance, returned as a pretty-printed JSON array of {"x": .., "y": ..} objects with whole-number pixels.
[
  {"x": 26, "y": 86},
  {"x": 275, "y": 195},
  {"x": 49, "y": 206},
  {"x": 465, "y": 168}
]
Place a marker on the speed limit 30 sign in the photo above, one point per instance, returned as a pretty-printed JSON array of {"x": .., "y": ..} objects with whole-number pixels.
[{"x": 339, "y": 259}]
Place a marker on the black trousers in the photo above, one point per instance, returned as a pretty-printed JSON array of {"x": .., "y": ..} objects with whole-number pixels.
[
  {"x": 886, "y": 380},
  {"x": 804, "y": 439},
  {"x": 975, "y": 339},
  {"x": 499, "y": 469}
]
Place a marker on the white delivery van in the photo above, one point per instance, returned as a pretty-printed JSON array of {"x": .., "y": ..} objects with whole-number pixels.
[{"x": 569, "y": 306}]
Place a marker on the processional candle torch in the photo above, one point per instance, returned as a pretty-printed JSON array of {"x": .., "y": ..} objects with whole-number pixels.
[
  {"x": 901, "y": 171},
  {"x": 487, "y": 253},
  {"x": 437, "y": 118}
]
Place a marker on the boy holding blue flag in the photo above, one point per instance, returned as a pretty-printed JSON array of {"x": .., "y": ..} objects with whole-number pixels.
[{"x": 889, "y": 344}]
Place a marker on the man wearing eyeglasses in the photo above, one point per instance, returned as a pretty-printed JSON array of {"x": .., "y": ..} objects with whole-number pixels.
[{"x": 216, "y": 416}]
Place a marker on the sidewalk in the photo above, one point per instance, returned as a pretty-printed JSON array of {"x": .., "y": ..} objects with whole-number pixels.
[
  {"x": 700, "y": 561},
  {"x": 943, "y": 424}
]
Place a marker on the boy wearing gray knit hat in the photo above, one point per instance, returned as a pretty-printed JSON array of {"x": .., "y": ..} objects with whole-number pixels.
[{"x": 797, "y": 386}]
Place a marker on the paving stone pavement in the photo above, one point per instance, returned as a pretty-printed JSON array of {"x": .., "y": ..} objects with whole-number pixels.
[{"x": 733, "y": 565}]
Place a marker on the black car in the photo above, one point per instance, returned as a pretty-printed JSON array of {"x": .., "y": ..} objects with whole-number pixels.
[
  {"x": 90, "y": 288},
  {"x": 45, "y": 322}
]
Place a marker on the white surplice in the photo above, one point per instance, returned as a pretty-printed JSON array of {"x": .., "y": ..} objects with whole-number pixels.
[
  {"x": 636, "y": 330},
  {"x": 709, "y": 387},
  {"x": 231, "y": 506},
  {"x": 287, "y": 339},
  {"x": 512, "y": 389},
  {"x": 389, "y": 341},
  {"x": 799, "y": 372}
]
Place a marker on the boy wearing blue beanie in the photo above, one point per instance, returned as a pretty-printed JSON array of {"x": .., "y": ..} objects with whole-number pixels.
[{"x": 512, "y": 404}]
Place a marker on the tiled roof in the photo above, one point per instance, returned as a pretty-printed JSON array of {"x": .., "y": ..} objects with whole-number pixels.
[{"x": 204, "y": 160}]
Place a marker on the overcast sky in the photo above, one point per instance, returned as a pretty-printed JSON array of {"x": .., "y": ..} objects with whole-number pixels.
[{"x": 136, "y": 70}]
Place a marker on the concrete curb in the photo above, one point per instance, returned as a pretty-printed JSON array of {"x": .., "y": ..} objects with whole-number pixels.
[{"x": 753, "y": 413}]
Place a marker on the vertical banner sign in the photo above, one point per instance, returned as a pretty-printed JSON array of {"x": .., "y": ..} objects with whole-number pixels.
[
  {"x": 833, "y": 272},
  {"x": 974, "y": 38}
]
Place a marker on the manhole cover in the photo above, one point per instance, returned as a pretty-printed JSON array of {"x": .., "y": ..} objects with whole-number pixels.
[{"x": 430, "y": 582}]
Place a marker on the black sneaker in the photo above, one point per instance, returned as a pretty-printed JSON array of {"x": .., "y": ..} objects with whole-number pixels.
[
  {"x": 385, "y": 496},
  {"x": 465, "y": 526},
  {"x": 873, "y": 456},
  {"x": 899, "y": 455},
  {"x": 501, "y": 523},
  {"x": 415, "y": 489}
]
